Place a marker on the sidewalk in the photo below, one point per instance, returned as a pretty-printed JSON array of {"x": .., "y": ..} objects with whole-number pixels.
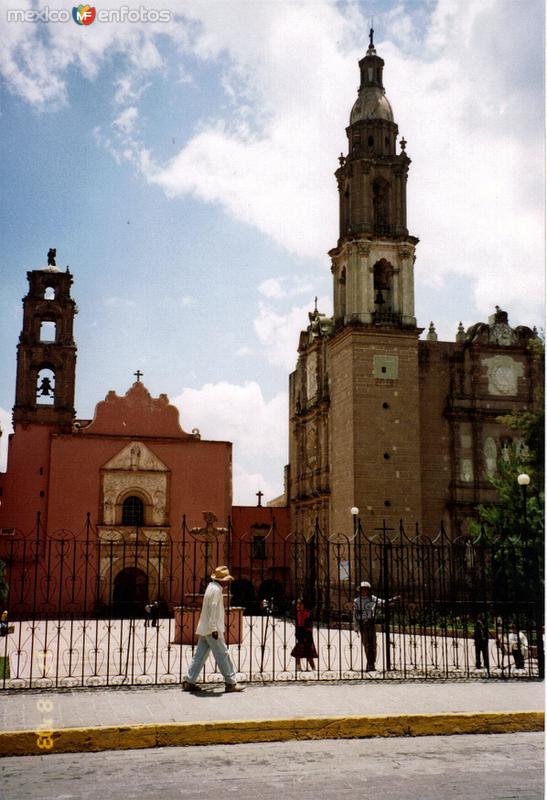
[{"x": 35, "y": 722}]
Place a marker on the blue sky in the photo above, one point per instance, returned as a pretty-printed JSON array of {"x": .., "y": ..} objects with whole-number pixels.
[{"x": 184, "y": 171}]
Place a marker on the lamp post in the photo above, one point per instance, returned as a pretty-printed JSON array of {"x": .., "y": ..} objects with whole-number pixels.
[
  {"x": 354, "y": 511},
  {"x": 523, "y": 481},
  {"x": 532, "y": 564}
]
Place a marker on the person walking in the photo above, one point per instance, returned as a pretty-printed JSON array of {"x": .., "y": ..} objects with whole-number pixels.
[
  {"x": 304, "y": 647},
  {"x": 210, "y": 630},
  {"x": 147, "y": 615},
  {"x": 364, "y": 612}
]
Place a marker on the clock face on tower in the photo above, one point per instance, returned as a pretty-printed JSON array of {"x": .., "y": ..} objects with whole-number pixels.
[{"x": 502, "y": 373}]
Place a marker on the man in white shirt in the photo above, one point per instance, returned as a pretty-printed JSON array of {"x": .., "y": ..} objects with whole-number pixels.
[
  {"x": 210, "y": 630},
  {"x": 364, "y": 611}
]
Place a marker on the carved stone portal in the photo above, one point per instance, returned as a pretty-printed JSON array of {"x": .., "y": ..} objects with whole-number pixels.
[{"x": 135, "y": 470}]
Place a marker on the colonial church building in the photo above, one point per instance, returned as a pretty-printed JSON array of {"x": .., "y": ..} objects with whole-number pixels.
[
  {"x": 397, "y": 426},
  {"x": 381, "y": 420},
  {"x": 154, "y": 502}
]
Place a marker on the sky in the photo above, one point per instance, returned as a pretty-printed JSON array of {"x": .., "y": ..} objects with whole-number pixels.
[{"x": 183, "y": 170}]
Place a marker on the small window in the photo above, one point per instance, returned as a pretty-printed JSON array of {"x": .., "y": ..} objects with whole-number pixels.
[
  {"x": 370, "y": 141},
  {"x": 49, "y": 293},
  {"x": 48, "y": 331},
  {"x": 133, "y": 511},
  {"x": 258, "y": 547}
]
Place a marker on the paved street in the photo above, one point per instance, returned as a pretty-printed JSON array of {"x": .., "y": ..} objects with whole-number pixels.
[{"x": 500, "y": 767}]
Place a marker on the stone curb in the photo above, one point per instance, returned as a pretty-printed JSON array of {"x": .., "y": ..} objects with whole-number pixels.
[{"x": 174, "y": 734}]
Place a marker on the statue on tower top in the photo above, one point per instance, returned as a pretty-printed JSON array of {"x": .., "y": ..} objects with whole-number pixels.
[
  {"x": 371, "y": 49},
  {"x": 51, "y": 257}
]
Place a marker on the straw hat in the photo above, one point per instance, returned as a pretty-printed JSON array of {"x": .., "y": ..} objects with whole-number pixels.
[
  {"x": 222, "y": 574},
  {"x": 365, "y": 585}
]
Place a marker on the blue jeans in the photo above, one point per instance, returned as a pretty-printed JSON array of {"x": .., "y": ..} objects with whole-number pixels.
[{"x": 206, "y": 644}]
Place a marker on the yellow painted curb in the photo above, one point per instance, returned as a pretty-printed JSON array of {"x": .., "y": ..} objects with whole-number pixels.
[{"x": 127, "y": 737}]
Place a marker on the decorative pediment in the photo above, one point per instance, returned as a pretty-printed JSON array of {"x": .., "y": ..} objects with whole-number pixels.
[
  {"x": 137, "y": 414},
  {"x": 136, "y": 456}
]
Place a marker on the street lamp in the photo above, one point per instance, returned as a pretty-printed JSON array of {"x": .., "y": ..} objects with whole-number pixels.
[
  {"x": 354, "y": 511},
  {"x": 523, "y": 481}
]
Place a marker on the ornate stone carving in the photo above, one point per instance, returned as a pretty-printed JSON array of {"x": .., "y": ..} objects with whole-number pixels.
[
  {"x": 136, "y": 456},
  {"x": 311, "y": 376},
  {"x": 312, "y": 444},
  {"x": 466, "y": 470},
  {"x": 134, "y": 470},
  {"x": 502, "y": 334},
  {"x": 503, "y": 373}
]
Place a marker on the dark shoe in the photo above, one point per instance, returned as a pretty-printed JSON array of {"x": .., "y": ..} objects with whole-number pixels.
[
  {"x": 190, "y": 687},
  {"x": 371, "y": 669},
  {"x": 234, "y": 687}
]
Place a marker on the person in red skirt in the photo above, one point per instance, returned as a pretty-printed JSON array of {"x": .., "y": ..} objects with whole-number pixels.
[{"x": 304, "y": 647}]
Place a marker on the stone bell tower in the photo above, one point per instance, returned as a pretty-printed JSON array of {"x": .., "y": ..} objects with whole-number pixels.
[
  {"x": 46, "y": 354},
  {"x": 373, "y": 262},
  {"x": 373, "y": 353}
]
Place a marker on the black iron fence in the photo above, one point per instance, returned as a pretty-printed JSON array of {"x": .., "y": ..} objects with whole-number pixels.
[{"x": 120, "y": 606}]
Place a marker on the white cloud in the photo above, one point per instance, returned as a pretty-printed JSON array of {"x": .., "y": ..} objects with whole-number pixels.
[
  {"x": 281, "y": 287},
  {"x": 119, "y": 302},
  {"x": 463, "y": 82},
  {"x": 222, "y": 411},
  {"x": 247, "y": 484},
  {"x": 271, "y": 287},
  {"x": 278, "y": 333},
  {"x": 244, "y": 351},
  {"x": 129, "y": 89},
  {"x": 126, "y": 120}
]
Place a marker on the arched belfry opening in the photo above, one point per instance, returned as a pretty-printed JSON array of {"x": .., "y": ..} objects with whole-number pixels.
[
  {"x": 383, "y": 287},
  {"x": 45, "y": 386}
]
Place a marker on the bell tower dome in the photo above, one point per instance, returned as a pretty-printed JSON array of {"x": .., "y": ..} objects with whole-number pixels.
[
  {"x": 373, "y": 263},
  {"x": 46, "y": 354}
]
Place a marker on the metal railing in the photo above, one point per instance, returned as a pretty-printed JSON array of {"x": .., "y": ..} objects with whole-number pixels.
[{"x": 78, "y": 605}]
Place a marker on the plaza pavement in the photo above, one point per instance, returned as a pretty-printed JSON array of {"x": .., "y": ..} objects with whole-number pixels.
[{"x": 35, "y": 722}]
